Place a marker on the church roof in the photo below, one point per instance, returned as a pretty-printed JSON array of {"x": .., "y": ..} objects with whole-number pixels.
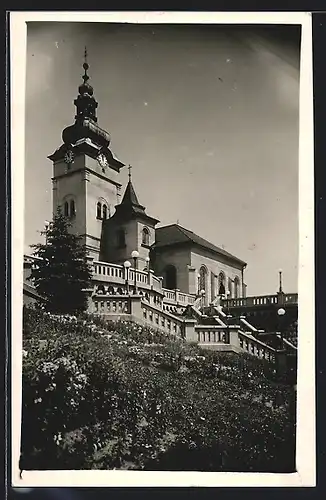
[
  {"x": 175, "y": 234},
  {"x": 130, "y": 197},
  {"x": 130, "y": 206}
]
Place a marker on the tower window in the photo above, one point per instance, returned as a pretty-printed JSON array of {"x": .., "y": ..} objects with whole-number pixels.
[
  {"x": 105, "y": 212},
  {"x": 72, "y": 208},
  {"x": 145, "y": 236},
  {"x": 121, "y": 238},
  {"x": 69, "y": 207},
  {"x": 99, "y": 210}
]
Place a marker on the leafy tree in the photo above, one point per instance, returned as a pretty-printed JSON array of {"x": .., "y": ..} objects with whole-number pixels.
[{"x": 62, "y": 273}]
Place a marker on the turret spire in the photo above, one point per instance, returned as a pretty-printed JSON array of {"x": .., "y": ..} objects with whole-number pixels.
[{"x": 129, "y": 172}]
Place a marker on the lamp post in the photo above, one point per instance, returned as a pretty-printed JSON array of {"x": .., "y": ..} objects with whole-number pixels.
[
  {"x": 127, "y": 265},
  {"x": 281, "y": 313},
  {"x": 280, "y": 281},
  {"x": 134, "y": 256}
]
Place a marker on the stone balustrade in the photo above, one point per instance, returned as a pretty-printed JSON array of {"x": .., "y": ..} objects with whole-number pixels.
[
  {"x": 256, "y": 348},
  {"x": 235, "y": 338},
  {"x": 212, "y": 334},
  {"x": 263, "y": 300},
  {"x": 177, "y": 297},
  {"x": 112, "y": 273},
  {"x": 116, "y": 275},
  {"x": 134, "y": 307},
  {"x": 162, "y": 320},
  {"x": 112, "y": 305},
  {"x": 215, "y": 334}
]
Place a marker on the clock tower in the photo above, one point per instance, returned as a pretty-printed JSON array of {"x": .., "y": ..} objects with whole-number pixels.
[{"x": 85, "y": 171}]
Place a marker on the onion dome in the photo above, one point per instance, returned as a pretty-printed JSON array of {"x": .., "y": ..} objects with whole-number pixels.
[{"x": 85, "y": 126}]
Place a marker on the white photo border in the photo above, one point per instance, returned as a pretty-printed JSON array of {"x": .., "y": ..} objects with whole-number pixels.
[{"x": 305, "y": 441}]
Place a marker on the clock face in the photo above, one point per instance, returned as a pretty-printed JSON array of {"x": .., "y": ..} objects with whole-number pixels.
[
  {"x": 102, "y": 160},
  {"x": 69, "y": 157}
]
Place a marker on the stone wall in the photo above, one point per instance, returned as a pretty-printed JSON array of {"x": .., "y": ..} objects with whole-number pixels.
[
  {"x": 180, "y": 259},
  {"x": 214, "y": 266}
]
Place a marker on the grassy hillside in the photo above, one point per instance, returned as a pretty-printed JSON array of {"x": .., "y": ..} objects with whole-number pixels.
[{"x": 116, "y": 395}]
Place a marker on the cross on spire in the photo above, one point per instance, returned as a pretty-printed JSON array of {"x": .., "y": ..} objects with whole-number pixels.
[{"x": 129, "y": 172}]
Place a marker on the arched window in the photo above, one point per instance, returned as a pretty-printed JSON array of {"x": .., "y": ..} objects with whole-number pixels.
[
  {"x": 99, "y": 210},
  {"x": 202, "y": 279},
  {"x": 236, "y": 287},
  {"x": 105, "y": 212},
  {"x": 72, "y": 208},
  {"x": 66, "y": 209},
  {"x": 170, "y": 277},
  {"x": 230, "y": 287},
  {"x": 145, "y": 236},
  {"x": 221, "y": 283}
]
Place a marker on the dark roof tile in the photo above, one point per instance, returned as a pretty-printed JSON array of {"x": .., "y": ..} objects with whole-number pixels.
[{"x": 175, "y": 234}]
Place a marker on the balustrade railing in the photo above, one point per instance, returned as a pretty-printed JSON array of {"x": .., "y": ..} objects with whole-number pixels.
[
  {"x": 117, "y": 274},
  {"x": 256, "y": 348},
  {"x": 263, "y": 300},
  {"x": 233, "y": 336},
  {"x": 112, "y": 305},
  {"x": 211, "y": 334},
  {"x": 108, "y": 272},
  {"x": 178, "y": 298},
  {"x": 163, "y": 320}
]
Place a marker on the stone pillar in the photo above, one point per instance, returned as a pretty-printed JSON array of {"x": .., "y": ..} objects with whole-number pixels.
[
  {"x": 135, "y": 306},
  {"x": 192, "y": 280},
  {"x": 150, "y": 277},
  {"x": 234, "y": 337},
  {"x": 189, "y": 331}
]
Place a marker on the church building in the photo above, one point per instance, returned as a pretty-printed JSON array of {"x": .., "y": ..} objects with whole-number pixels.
[{"x": 87, "y": 189}]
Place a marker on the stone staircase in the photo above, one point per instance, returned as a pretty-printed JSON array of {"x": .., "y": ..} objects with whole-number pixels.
[
  {"x": 210, "y": 327},
  {"x": 139, "y": 296}
]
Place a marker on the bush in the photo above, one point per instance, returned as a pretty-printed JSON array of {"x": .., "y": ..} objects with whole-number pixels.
[{"x": 115, "y": 395}]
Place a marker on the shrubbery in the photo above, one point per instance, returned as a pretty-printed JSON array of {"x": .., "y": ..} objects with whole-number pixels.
[{"x": 117, "y": 395}]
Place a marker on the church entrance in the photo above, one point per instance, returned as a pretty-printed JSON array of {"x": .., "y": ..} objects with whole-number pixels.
[{"x": 170, "y": 277}]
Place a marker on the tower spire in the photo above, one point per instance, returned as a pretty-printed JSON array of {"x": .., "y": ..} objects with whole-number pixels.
[
  {"x": 85, "y": 103},
  {"x": 129, "y": 172},
  {"x": 85, "y": 66}
]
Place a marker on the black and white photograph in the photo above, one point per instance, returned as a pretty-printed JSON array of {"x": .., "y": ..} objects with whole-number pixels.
[{"x": 164, "y": 289}]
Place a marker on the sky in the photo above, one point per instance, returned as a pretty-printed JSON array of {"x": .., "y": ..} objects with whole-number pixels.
[{"x": 208, "y": 117}]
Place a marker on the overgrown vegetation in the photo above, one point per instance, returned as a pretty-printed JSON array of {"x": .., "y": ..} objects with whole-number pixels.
[{"x": 100, "y": 395}]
